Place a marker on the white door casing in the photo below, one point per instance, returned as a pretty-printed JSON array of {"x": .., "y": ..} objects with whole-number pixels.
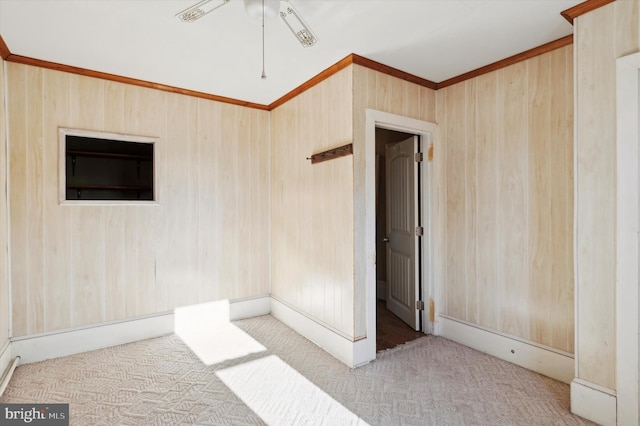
[
  {"x": 364, "y": 350},
  {"x": 401, "y": 240}
]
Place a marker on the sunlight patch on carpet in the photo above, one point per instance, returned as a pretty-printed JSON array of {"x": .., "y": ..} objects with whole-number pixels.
[
  {"x": 207, "y": 331},
  {"x": 281, "y": 396}
]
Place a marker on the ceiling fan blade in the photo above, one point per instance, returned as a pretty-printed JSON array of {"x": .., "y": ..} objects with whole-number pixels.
[
  {"x": 296, "y": 24},
  {"x": 200, "y": 9}
]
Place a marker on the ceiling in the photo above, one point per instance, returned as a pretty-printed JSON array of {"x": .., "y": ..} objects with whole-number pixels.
[{"x": 221, "y": 53}]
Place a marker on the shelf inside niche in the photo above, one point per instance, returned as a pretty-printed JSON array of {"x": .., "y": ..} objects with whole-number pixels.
[{"x": 107, "y": 167}]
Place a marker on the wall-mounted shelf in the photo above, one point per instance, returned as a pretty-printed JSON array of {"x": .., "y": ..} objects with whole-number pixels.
[
  {"x": 77, "y": 153},
  {"x": 330, "y": 154}
]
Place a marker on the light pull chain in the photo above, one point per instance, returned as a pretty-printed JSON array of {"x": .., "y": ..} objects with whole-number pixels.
[{"x": 264, "y": 74}]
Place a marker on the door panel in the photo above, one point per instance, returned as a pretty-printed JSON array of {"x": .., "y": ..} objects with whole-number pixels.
[{"x": 402, "y": 276}]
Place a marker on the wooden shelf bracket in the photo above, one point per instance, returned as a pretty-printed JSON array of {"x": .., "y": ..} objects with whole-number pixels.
[{"x": 331, "y": 154}]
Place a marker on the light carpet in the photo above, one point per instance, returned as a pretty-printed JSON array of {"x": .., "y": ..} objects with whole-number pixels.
[{"x": 429, "y": 381}]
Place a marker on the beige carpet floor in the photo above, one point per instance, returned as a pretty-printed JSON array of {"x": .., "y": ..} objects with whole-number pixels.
[{"x": 429, "y": 381}]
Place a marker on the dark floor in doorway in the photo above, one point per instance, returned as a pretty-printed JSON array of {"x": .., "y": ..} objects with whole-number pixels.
[{"x": 391, "y": 331}]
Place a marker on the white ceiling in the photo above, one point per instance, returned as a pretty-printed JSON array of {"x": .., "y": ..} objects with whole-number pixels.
[{"x": 221, "y": 54}]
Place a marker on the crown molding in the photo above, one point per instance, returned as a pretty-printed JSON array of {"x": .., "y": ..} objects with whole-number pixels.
[
  {"x": 321, "y": 76},
  {"x": 536, "y": 51},
  {"x": 4, "y": 50},
  {"x": 9, "y": 57},
  {"x": 385, "y": 69},
  {"x": 352, "y": 59},
  {"x": 338, "y": 66},
  {"x": 582, "y": 8}
]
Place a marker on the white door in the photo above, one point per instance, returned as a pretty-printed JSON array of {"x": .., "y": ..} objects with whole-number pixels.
[{"x": 402, "y": 221}]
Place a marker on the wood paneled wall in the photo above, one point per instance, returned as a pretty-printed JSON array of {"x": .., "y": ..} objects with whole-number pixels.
[
  {"x": 508, "y": 160},
  {"x": 601, "y": 37},
  {"x": 312, "y": 205},
  {"x": 382, "y": 92},
  {"x": 206, "y": 239},
  {"x": 4, "y": 278}
]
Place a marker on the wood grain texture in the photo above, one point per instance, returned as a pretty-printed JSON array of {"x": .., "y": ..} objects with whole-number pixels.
[
  {"x": 531, "y": 53},
  {"x": 487, "y": 199},
  {"x": 312, "y": 205},
  {"x": 515, "y": 312},
  {"x": 507, "y": 137},
  {"x": 471, "y": 208},
  {"x": 456, "y": 291},
  {"x": 5, "y": 313},
  {"x": 78, "y": 265},
  {"x": 602, "y": 36}
]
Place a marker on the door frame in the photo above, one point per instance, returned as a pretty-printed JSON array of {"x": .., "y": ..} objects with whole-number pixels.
[{"x": 426, "y": 131}]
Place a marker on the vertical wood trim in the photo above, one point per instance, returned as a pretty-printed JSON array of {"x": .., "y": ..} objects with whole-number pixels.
[
  {"x": 513, "y": 263},
  {"x": 595, "y": 239},
  {"x": 5, "y": 293},
  {"x": 17, "y": 104},
  {"x": 487, "y": 198},
  {"x": 471, "y": 219}
]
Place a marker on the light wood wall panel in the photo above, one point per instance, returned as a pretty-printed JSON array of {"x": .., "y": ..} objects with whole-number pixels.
[
  {"x": 312, "y": 205},
  {"x": 206, "y": 239},
  {"x": 601, "y": 37},
  {"x": 508, "y": 161},
  {"x": 4, "y": 281},
  {"x": 375, "y": 90}
]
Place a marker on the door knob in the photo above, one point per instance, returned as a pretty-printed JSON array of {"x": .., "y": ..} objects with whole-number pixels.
[{"x": 385, "y": 240}]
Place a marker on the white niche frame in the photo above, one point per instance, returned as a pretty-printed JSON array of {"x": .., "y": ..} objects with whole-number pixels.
[{"x": 63, "y": 132}]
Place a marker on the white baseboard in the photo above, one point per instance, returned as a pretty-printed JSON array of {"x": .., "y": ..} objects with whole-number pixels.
[
  {"x": 248, "y": 308},
  {"x": 545, "y": 361},
  {"x": 39, "y": 347},
  {"x": 337, "y": 345},
  {"x": 593, "y": 402},
  {"x": 36, "y": 348}
]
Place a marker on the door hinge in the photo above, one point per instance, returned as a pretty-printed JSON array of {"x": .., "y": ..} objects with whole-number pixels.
[
  {"x": 430, "y": 153},
  {"x": 420, "y": 305},
  {"x": 419, "y": 231},
  {"x": 418, "y": 157}
]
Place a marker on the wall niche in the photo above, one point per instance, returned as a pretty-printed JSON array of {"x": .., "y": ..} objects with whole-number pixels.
[{"x": 106, "y": 167}]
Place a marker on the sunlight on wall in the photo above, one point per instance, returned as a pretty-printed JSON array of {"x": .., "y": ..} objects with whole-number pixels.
[
  {"x": 282, "y": 396},
  {"x": 208, "y": 332}
]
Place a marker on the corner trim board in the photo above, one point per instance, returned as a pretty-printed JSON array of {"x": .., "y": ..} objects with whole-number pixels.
[
  {"x": 530, "y": 356},
  {"x": 593, "y": 402},
  {"x": 5, "y": 358}
]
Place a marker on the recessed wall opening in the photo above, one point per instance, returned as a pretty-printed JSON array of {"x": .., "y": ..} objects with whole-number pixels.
[
  {"x": 391, "y": 330},
  {"x": 106, "y": 167}
]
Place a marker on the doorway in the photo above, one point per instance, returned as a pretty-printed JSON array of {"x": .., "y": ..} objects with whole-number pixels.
[
  {"x": 398, "y": 249},
  {"x": 364, "y": 349}
]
